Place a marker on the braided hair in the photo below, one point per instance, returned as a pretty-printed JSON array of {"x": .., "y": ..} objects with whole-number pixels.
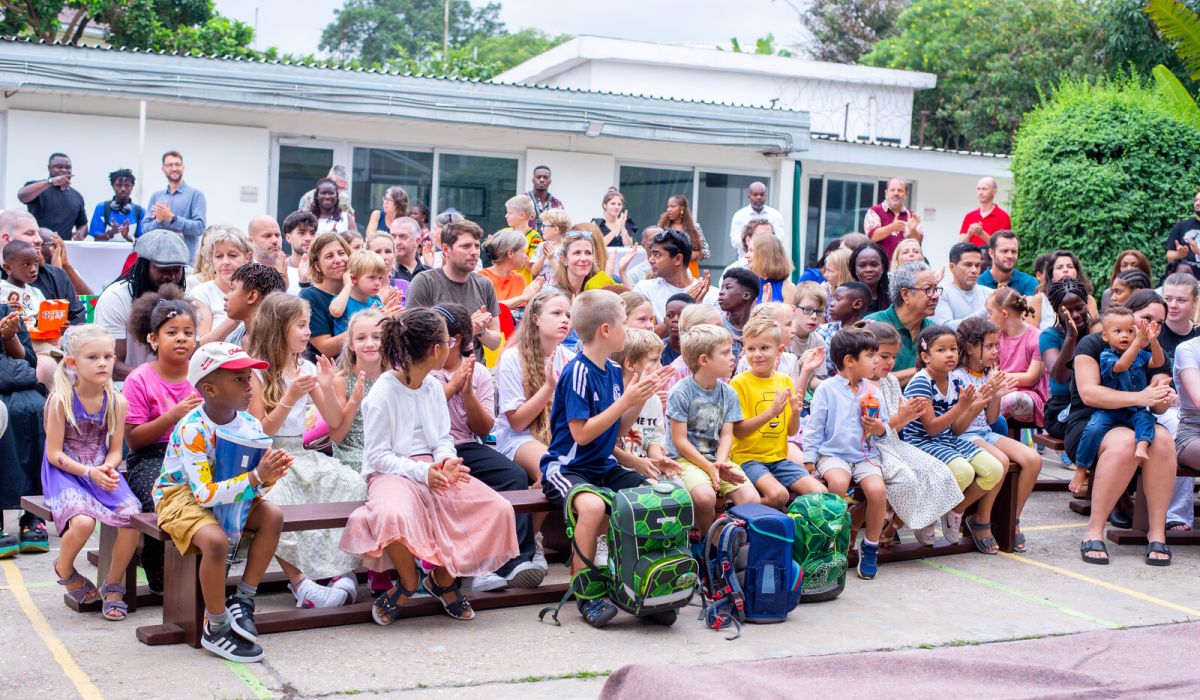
[
  {"x": 409, "y": 337},
  {"x": 1058, "y": 292}
]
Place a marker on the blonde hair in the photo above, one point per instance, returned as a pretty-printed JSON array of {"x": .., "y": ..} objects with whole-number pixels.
[
  {"x": 594, "y": 308},
  {"x": 703, "y": 339},
  {"x": 769, "y": 310},
  {"x": 521, "y": 204},
  {"x": 62, "y": 390},
  {"x": 598, "y": 246},
  {"x": 633, "y": 301},
  {"x": 810, "y": 290},
  {"x": 365, "y": 262},
  {"x": 528, "y": 345},
  {"x": 770, "y": 259},
  {"x": 639, "y": 345},
  {"x": 349, "y": 358},
  {"x": 314, "y": 253},
  {"x": 269, "y": 342},
  {"x": 896, "y": 253},
  {"x": 840, "y": 261},
  {"x": 556, "y": 217},
  {"x": 218, "y": 233},
  {"x": 696, "y": 314},
  {"x": 504, "y": 242},
  {"x": 762, "y": 324}
]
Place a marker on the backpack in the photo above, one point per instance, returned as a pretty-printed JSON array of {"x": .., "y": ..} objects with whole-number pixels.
[
  {"x": 136, "y": 214},
  {"x": 750, "y": 574},
  {"x": 650, "y": 567},
  {"x": 822, "y": 541}
]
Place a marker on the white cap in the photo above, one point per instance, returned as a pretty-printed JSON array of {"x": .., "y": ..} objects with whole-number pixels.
[{"x": 211, "y": 357}]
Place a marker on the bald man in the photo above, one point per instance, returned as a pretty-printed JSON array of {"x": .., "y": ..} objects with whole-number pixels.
[
  {"x": 979, "y": 225},
  {"x": 53, "y": 281},
  {"x": 267, "y": 241},
  {"x": 756, "y": 195},
  {"x": 890, "y": 221}
]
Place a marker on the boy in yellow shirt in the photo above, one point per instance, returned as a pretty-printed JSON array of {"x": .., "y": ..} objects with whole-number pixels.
[{"x": 770, "y": 414}]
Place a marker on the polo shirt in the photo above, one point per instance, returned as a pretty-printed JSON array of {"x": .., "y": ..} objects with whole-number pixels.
[
  {"x": 996, "y": 220},
  {"x": 907, "y": 357},
  {"x": 61, "y": 211},
  {"x": 1024, "y": 283}
]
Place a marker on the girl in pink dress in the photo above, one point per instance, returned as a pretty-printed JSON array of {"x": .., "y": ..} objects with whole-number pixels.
[
  {"x": 422, "y": 502},
  {"x": 1019, "y": 356}
]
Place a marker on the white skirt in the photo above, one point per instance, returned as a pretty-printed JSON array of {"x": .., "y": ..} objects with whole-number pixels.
[{"x": 920, "y": 487}]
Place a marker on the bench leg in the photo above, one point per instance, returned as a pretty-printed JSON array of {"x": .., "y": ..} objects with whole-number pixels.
[
  {"x": 1004, "y": 511},
  {"x": 183, "y": 605},
  {"x": 108, "y": 538}
]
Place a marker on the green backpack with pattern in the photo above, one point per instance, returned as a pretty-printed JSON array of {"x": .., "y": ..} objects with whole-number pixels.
[
  {"x": 821, "y": 544},
  {"x": 650, "y": 568}
]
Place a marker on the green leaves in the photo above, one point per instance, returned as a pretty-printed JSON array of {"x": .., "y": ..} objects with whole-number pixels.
[{"x": 1180, "y": 26}]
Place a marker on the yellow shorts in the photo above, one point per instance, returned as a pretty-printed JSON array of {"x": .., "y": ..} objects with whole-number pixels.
[
  {"x": 693, "y": 476},
  {"x": 181, "y": 517}
]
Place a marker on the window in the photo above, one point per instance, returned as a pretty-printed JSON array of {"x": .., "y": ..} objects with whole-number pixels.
[
  {"x": 837, "y": 207},
  {"x": 477, "y": 186},
  {"x": 721, "y": 195},
  {"x": 812, "y": 242},
  {"x": 646, "y": 191},
  {"x": 299, "y": 169},
  {"x": 377, "y": 169}
]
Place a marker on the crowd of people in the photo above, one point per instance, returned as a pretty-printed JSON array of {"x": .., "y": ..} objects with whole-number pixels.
[{"x": 425, "y": 366}]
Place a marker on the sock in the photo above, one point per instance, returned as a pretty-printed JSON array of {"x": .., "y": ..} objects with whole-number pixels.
[
  {"x": 869, "y": 543},
  {"x": 217, "y": 621},
  {"x": 246, "y": 589}
]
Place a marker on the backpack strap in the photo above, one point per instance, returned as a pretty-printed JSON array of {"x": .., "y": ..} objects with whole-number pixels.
[
  {"x": 107, "y": 213},
  {"x": 723, "y": 600},
  {"x": 591, "y": 582}
]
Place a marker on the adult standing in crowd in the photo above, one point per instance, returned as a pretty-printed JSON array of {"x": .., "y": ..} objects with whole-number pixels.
[
  {"x": 1005, "y": 249},
  {"x": 267, "y": 242},
  {"x": 328, "y": 258},
  {"x": 179, "y": 208},
  {"x": 299, "y": 228},
  {"x": 54, "y": 281},
  {"x": 395, "y": 205},
  {"x": 53, "y": 202},
  {"x": 540, "y": 194},
  {"x": 962, "y": 296},
  {"x": 756, "y": 194},
  {"x": 22, "y": 444},
  {"x": 615, "y": 225},
  {"x": 1183, "y": 243},
  {"x": 669, "y": 254},
  {"x": 890, "y": 221},
  {"x": 119, "y": 216},
  {"x": 406, "y": 232},
  {"x": 337, "y": 173},
  {"x": 914, "y": 292},
  {"x": 456, "y": 281},
  {"x": 330, "y": 216},
  {"x": 980, "y": 225},
  {"x": 678, "y": 217},
  {"x": 869, "y": 265}
]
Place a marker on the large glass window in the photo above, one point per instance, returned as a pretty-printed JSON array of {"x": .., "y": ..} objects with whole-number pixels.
[
  {"x": 846, "y": 204},
  {"x": 377, "y": 169},
  {"x": 646, "y": 191},
  {"x": 299, "y": 169},
  {"x": 477, "y": 186},
  {"x": 719, "y": 197},
  {"x": 812, "y": 242}
]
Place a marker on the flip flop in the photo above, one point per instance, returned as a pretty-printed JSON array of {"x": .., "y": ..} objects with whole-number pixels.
[
  {"x": 1019, "y": 540},
  {"x": 1159, "y": 548},
  {"x": 1094, "y": 546},
  {"x": 983, "y": 544},
  {"x": 1178, "y": 526}
]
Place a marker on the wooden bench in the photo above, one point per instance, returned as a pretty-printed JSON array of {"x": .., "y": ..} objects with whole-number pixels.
[
  {"x": 1040, "y": 438},
  {"x": 1137, "y": 533},
  {"x": 183, "y": 605}
]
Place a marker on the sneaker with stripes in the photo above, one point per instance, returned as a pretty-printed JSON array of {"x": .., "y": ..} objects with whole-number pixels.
[
  {"x": 227, "y": 644},
  {"x": 241, "y": 616}
]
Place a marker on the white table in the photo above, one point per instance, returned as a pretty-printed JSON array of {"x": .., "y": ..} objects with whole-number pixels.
[{"x": 98, "y": 262}]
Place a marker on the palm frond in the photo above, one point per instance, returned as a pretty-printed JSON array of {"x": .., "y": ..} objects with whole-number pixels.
[
  {"x": 1180, "y": 26},
  {"x": 1176, "y": 94}
]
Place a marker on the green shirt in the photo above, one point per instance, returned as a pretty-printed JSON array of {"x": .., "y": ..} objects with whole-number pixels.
[{"x": 907, "y": 357}]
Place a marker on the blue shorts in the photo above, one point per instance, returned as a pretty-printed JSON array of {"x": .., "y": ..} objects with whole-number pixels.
[
  {"x": 991, "y": 437},
  {"x": 785, "y": 471}
]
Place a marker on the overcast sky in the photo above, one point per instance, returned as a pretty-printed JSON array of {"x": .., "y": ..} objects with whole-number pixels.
[{"x": 283, "y": 24}]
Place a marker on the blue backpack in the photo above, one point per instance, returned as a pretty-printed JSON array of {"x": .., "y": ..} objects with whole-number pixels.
[{"x": 749, "y": 572}]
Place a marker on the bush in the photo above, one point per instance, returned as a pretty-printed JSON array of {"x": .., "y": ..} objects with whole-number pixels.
[{"x": 1098, "y": 168}]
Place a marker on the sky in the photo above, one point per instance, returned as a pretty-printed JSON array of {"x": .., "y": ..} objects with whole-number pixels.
[{"x": 710, "y": 22}]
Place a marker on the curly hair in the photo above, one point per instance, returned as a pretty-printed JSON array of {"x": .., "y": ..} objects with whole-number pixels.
[
  {"x": 409, "y": 337},
  {"x": 687, "y": 223},
  {"x": 256, "y": 277},
  {"x": 153, "y": 309},
  {"x": 971, "y": 333}
]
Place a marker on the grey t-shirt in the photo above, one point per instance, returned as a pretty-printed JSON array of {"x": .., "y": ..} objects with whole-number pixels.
[
  {"x": 433, "y": 287},
  {"x": 705, "y": 412}
]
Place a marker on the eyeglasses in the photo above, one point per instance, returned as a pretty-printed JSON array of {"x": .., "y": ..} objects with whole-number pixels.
[
  {"x": 808, "y": 310},
  {"x": 931, "y": 292}
]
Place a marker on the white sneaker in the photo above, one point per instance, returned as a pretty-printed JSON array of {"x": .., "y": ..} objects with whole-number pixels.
[
  {"x": 601, "y": 557},
  {"x": 526, "y": 575},
  {"x": 313, "y": 595},
  {"x": 487, "y": 582},
  {"x": 539, "y": 553},
  {"x": 349, "y": 584}
]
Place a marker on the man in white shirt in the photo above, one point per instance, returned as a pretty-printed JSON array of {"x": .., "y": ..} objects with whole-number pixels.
[
  {"x": 299, "y": 228},
  {"x": 669, "y": 255},
  {"x": 757, "y": 209},
  {"x": 961, "y": 296}
]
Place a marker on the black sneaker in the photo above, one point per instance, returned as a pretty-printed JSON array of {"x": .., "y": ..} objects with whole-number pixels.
[
  {"x": 241, "y": 616},
  {"x": 9, "y": 545},
  {"x": 598, "y": 612},
  {"x": 34, "y": 537},
  {"x": 227, "y": 644}
]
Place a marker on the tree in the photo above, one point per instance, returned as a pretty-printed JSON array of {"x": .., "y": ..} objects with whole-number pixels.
[
  {"x": 1103, "y": 166},
  {"x": 1180, "y": 26},
  {"x": 843, "y": 31},
  {"x": 763, "y": 46},
  {"x": 992, "y": 57},
  {"x": 481, "y": 58},
  {"x": 374, "y": 31}
]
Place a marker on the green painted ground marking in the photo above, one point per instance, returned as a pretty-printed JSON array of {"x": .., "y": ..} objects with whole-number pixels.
[{"x": 260, "y": 690}]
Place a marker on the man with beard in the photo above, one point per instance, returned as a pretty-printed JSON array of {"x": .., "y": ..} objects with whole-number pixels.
[
  {"x": 178, "y": 208},
  {"x": 890, "y": 222},
  {"x": 914, "y": 294},
  {"x": 1184, "y": 240},
  {"x": 456, "y": 281},
  {"x": 53, "y": 202},
  {"x": 1005, "y": 249},
  {"x": 962, "y": 296}
]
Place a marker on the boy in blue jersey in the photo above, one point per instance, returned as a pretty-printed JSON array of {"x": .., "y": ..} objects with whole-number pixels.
[{"x": 591, "y": 409}]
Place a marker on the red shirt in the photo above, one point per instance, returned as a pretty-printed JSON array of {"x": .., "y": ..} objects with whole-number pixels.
[{"x": 996, "y": 220}]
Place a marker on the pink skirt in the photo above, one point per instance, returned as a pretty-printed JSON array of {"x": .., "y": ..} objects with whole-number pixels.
[{"x": 469, "y": 529}]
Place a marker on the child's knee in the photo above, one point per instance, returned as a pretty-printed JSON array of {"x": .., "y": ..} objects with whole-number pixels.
[
  {"x": 963, "y": 472},
  {"x": 211, "y": 541},
  {"x": 988, "y": 471},
  {"x": 874, "y": 489},
  {"x": 703, "y": 497},
  {"x": 772, "y": 494},
  {"x": 83, "y": 525},
  {"x": 745, "y": 494},
  {"x": 268, "y": 517},
  {"x": 588, "y": 508}
]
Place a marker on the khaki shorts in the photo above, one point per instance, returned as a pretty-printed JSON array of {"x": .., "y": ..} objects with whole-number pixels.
[
  {"x": 693, "y": 476},
  {"x": 181, "y": 517},
  {"x": 857, "y": 471}
]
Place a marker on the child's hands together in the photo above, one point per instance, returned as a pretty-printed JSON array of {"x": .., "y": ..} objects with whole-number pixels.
[
  {"x": 105, "y": 476},
  {"x": 468, "y": 387},
  {"x": 912, "y": 409},
  {"x": 646, "y": 385},
  {"x": 299, "y": 388},
  {"x": 356, "y": 396},
  {"x": 782, "y": 399},
  {"x": 274, "y": 466},
  {"x": 324, "y": 372},
  {"x": 967, "y": 395},
  {"x": 872, "y": 425},
  {"x": 447, "y": 473},
  {"x": 665, "y": 466}
]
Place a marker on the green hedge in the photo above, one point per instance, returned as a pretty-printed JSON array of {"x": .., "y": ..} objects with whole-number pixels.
[{"x": 1098, "y": 168}]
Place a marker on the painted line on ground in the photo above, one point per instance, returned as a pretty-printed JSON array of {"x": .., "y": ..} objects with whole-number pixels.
[
  {"x": 1020, "y": 594},
  {"x": 83, "y": 683},
  {"x": 251, "y": 681},
  {"x": 1192, "y": 612},
  {"x": 1060, "y": 526}
]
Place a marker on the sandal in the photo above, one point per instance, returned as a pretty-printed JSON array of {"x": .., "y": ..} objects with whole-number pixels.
[
  {"x": 1019, "y": 540},
  {"x": 459, "y": 609},
  {"x": 1158, "y": 548},
  {"x": 1178, "y": 526},
  {"x": 986, "y": 545},
  {"x": 890, "y": 534},
  {"x": 115, "y": 610},
  {"x": 386, "y": 609},
  {"x": 1088, "y": 546},
  {"x": 85, "y": 594}
]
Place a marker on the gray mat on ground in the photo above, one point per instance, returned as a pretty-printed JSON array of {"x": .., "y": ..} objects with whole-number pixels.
[{"x": 1148, "y": 662}]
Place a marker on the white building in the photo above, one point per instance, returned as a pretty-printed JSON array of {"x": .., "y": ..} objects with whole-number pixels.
[{"x": 255, "y": 136}]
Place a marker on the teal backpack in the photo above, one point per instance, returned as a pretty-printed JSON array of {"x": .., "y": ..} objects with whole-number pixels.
[
  {"x": 821, "y": 544},
  {"x": 650, "y": 566}
]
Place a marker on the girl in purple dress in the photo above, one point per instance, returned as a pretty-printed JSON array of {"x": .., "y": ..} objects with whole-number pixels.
[{"x": 85, "y": 425}]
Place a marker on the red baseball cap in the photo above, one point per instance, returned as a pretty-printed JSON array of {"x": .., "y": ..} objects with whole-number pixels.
[{"x": 211, "y": 357}]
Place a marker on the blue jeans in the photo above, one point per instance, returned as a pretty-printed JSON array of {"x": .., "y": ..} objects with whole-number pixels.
[{"x": 1140, "y": 419}]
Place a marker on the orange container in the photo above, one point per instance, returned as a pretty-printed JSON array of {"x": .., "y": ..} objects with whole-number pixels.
[
  {"x": 51, "y": 320},
  {"x": 869, "y": 406}
]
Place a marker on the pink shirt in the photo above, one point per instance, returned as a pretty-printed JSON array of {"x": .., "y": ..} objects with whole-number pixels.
[
  {"x": 1016, "y": 354},
  {"x": 149, "y": 396},
  {"x": 481, "y": 379}
]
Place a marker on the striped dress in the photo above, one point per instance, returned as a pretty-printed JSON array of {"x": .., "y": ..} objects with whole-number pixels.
[{"x": 945, "y": 446}]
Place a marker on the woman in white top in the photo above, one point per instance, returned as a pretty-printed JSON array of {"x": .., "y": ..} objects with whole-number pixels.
[
  {"x": 225, "y": 249},
  {"x": 330, "y": 216}
]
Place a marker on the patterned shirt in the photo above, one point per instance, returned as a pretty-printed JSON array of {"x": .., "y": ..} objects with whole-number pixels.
[
  {"x": 551, "y": 202},
  {"x": 189, "y": 460}
]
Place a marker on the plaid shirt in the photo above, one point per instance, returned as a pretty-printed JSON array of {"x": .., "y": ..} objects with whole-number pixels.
[{"x": 552, "y": 202}]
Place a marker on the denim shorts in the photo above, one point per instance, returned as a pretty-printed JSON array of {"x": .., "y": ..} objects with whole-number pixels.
[
  {"x": 785, "y": 471},
  {"x": 989, "y": 436}
]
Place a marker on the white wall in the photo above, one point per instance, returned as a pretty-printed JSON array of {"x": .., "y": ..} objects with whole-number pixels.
[
  {"x": 219, "y": 160},
  {"x": 579, "y": 179}
]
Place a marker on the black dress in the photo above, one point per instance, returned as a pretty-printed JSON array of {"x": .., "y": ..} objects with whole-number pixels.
[
  {"x": 616, "y": 241},
  {"x": 24, "y": 442}
]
